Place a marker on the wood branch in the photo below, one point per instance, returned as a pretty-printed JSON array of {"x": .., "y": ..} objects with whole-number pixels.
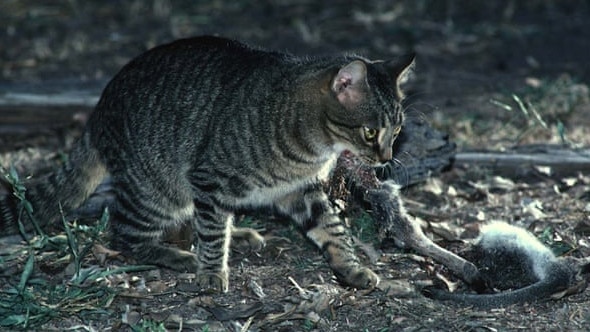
[
  {"x": 29, "y": 108},
  {"x": 561, "y": 159},
  {"x": 56, "y": 93},
  {"x": 41, "y": 100}
]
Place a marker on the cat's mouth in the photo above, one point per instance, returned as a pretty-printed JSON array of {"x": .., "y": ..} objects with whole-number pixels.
[
  {"x": 378, "y": 158},
  {"x": 385, "y": 154},
  {"x": 373, "y": 161}
]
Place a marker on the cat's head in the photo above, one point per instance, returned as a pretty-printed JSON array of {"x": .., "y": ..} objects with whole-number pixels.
[{"x": 365, "y": 113}]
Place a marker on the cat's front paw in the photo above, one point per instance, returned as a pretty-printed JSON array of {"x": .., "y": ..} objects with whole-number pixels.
[
  {"x": 247, "y": 238},
  {"x": 359, "y": 277},
  {"x": 213, "y": 282}
]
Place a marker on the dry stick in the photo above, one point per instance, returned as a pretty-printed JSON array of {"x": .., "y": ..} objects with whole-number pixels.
[
  {"x": 559, "y": 158},
  {"x": 391, "y": 218}
]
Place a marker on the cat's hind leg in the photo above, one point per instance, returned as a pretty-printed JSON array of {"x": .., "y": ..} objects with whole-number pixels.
[
  {"x": 321, "y": 224},
  {"x": 141, "y": 218}
]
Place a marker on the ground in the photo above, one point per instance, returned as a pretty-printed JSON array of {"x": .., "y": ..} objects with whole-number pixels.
[{"x": 494, "y": 75}]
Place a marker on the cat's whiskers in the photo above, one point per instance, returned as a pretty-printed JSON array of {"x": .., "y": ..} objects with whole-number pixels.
[{"x": 404, "y": 171}]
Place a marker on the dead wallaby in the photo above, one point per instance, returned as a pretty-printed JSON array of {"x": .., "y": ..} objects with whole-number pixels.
[{"x": 514, "y": 262}]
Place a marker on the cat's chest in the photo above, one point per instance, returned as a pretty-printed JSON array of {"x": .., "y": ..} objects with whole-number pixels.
[{"x": 265, "y": 195}]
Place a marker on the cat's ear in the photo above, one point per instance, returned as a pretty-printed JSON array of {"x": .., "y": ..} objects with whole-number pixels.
[
  {"x": 350, "y": 83},
  {"x": 400, "y": 69}
]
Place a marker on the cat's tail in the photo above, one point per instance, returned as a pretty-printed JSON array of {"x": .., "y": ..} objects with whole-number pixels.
[{"x": 68, "y": 187}]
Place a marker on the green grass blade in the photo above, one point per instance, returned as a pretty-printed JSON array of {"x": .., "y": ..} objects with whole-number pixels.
[{"x": 27, "y": 271}]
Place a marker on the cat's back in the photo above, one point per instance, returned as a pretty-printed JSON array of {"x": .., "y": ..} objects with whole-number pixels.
[
  {"x": 179, "y": 72},
  {"x": 203, "y": 59},
  {"x": 183, "y": 85}
]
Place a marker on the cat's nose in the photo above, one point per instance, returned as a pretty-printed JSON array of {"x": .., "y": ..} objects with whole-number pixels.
[{"x": 385, "y": 154}]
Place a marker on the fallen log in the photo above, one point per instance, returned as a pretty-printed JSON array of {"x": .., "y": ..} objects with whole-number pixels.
[{"x": 558, "y": 159}]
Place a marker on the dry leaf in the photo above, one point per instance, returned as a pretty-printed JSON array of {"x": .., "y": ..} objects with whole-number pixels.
[
  {"x": 546, "y": 170},
  {"x": 481, "y": 216},
  {"x": 533, "y": 207},
  {"x": 446, "y": 230},
  {"x": 451, "y": 191},
  {"x": 102, "y": 253},
  {"x": 256, "y": 289},
  {"x": 396, "y": 288},
  {"x": 503, "y": 183},
  {"x": 157, "y": 286},
  {"x": 570, "y": 182},
  {"x": 451, "y": 286},
  {"x": 433, "y": 185}
]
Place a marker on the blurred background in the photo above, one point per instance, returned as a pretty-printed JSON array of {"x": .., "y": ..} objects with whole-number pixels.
[{"x": 473, "y": 56}]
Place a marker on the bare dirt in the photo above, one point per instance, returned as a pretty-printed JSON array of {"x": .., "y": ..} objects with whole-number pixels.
[{"x": 476, "y": 61}]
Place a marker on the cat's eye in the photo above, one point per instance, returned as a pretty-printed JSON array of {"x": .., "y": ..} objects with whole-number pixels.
[{"x": 370, "y": 133}]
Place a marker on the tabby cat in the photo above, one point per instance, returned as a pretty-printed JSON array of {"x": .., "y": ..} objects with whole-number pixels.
[{"x": 192, "y": 131}]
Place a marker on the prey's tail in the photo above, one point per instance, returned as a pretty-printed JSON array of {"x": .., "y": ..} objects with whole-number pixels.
[
  {"x": 69, "y": 187},
  {"x": 559, "y": 276}
]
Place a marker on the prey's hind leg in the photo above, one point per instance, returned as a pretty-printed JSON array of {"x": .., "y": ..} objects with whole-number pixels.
[
  {"x": 141, "y": 218},
  {"x": 394, "y": 223}
]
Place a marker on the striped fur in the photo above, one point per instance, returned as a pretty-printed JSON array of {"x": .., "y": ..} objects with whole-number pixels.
[{"x": 194, "y": 130}]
